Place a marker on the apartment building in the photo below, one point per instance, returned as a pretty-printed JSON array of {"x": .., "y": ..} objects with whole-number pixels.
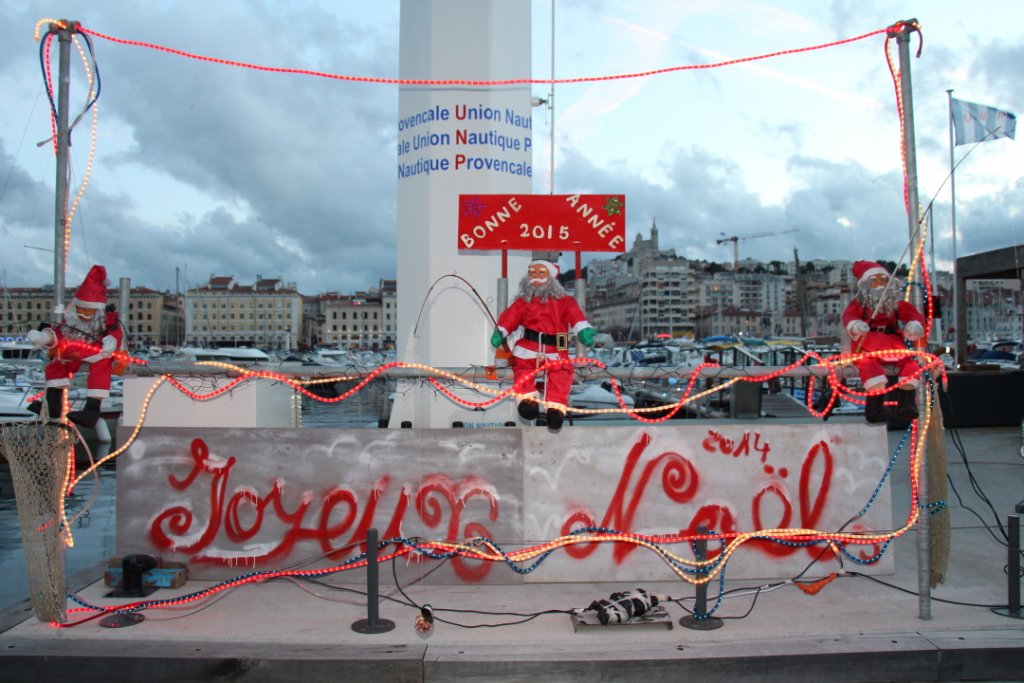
[
  {"x": 153, "y": 318},
  {"x": 365, "y": 320},
  {"x": 266, "y": 314}
]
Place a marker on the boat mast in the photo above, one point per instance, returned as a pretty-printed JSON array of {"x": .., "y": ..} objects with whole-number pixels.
[{"x": 64, "y": 30}]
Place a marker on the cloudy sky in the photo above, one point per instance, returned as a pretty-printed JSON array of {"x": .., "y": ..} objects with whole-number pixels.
[{"x": 207, "y": 169}]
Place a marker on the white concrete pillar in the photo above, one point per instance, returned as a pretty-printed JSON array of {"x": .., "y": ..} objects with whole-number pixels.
[{"x": 452, "y": 140}]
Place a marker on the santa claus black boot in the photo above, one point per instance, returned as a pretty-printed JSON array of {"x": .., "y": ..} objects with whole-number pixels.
[
  {"x": 88, "y": 416},
  {"x": 906, "y": 406},
  {"x": 555, "y": 419},
  {"x": 875, "y": 410},
  {"x": 528, "y": 410},
  {"x": 54, "y": 403}
]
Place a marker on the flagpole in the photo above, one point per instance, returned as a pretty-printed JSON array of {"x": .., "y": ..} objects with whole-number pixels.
[
  {"x": 938, "y": 331},
  {"x": 960, "y": 333}
]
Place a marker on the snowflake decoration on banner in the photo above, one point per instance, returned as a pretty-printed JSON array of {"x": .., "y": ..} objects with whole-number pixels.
[
  {"x": 613, "y": 205},
  {"x": 473, "y": 207}
]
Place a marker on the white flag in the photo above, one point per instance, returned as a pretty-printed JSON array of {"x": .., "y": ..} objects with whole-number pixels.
[{"x": 976, "y": 122}]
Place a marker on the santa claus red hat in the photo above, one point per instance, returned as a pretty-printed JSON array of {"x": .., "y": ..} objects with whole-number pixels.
[
  {"x": 92, "y": 293},
  {"x": 864, "y": 270},
  {"x": 552, "y": 268}
]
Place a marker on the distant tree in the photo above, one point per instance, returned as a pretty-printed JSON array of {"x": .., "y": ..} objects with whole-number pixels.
[
  {"x": 714, "y": 268},
  {"x": 777, "y": 267}
]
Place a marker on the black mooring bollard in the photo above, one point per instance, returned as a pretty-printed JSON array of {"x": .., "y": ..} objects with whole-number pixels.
[
  {"x": 372, "y": 624},
  {"x": 700, "y": 620},
  {"x": 1013, "y": 570}
]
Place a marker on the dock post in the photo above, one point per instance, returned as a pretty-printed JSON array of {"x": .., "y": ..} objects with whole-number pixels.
[
  {"x": 1013, "y": 570},
  {"x": 700, "y": 620},
  {"x": 372, "y": 623}
]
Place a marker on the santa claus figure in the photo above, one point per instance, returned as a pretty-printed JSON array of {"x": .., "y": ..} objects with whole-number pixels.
[
  {"x": 878, "y": 319},
  {"x": 89, "y": 334},
  {"x": 546, "y": 316}
]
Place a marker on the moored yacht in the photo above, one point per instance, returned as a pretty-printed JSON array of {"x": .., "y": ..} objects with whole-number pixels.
[{"x": 227, "y": 354}]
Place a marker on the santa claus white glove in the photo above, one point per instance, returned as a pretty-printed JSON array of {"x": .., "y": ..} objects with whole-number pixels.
[
  {"x": 857, "y": 329},
  {"x": 912, "y": 331},
  {"x": 109, "y": 344},
  {"x": 40, "y": 338}
]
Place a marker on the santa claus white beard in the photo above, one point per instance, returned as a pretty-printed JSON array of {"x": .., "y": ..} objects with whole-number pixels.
[
  {"x": 82, "y": 328},
  {"x": 881, "y": 299},
  {"x": 529, "y": 292}
]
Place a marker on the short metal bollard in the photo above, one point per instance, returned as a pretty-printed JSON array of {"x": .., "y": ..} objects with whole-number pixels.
[
  {"x": 700, "y": 620},
  {"x": 1013, "y": 571},
  {"x": 372, "y": 623}
]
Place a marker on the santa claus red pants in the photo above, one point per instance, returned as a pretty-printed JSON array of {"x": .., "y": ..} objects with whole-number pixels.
[
  {"x": 874, "y": 367},
  {"x": 58, "y": 373},
  {"x": 557, "y": 379}
]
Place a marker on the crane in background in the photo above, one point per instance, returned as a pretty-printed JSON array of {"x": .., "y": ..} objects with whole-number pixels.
[{"x": 735, "y": 239}]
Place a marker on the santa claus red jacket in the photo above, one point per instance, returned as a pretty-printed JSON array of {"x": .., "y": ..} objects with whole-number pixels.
[{"x": 546, "y": 322}]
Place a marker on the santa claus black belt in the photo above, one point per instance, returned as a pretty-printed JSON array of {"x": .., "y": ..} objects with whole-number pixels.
[
  {"x": 888, "y": 329},
  {"x": 556, "y": 342}
]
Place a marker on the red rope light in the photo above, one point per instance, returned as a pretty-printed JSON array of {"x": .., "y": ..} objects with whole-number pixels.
[
  {"x": 48, "y": 70},
  {"x": 474, "y": 83}
]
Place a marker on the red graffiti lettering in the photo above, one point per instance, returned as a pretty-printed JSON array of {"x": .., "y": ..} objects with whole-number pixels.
[
  {"x": 815, "y": 485},
  {"x": 717, "y": 442},
  {"x": 246, "y": 514},
  {"x": 782, "y": 495},
  {"x": 679, "y": 481},
  {"x": 716, "y": 518},
  {"x": 875, "y": 548},
  {"x": 439, "y": 489}
]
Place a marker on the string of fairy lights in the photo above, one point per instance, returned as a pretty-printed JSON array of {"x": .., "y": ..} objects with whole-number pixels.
[{"x": 525, "y": 560}]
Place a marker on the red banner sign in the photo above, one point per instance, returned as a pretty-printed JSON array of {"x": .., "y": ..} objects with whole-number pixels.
[{"x": 543, "y": 222}]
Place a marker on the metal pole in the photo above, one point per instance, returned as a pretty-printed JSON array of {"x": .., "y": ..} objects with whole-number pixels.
[
  {"x": 938, "y": 331},
  {"x": 124, "y": 296},
  {"x": 581, "y": 299},
  {"x": 502, "y": 301},
  {"x": 1012, "y": 608},
  {"x": 1013, "y": 562},
  {"x": 906, "y": 28},
  {"x": 700, "y": 620},
  {"x": 372, "y": 623},
  {"x": 551, "y": 97},
  {"x": 60, "y": 204},
  {"x": 952, "y": 224}
]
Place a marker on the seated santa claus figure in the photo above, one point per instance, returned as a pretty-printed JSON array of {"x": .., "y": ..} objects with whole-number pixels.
[
  {"x": 878, "y": 319},
  {"x": 88, "y": 335},
  {"x": 547, "y": 317}
]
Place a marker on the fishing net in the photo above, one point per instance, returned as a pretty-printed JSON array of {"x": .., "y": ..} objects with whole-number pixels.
[
  {"x": 37, "y": 453},
  {"x": 936, "y": 474}
]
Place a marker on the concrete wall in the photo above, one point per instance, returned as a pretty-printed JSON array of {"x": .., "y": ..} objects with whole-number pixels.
[
  {"x": 226, "y": 402},
  {"x": 231, "y": 500}
]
